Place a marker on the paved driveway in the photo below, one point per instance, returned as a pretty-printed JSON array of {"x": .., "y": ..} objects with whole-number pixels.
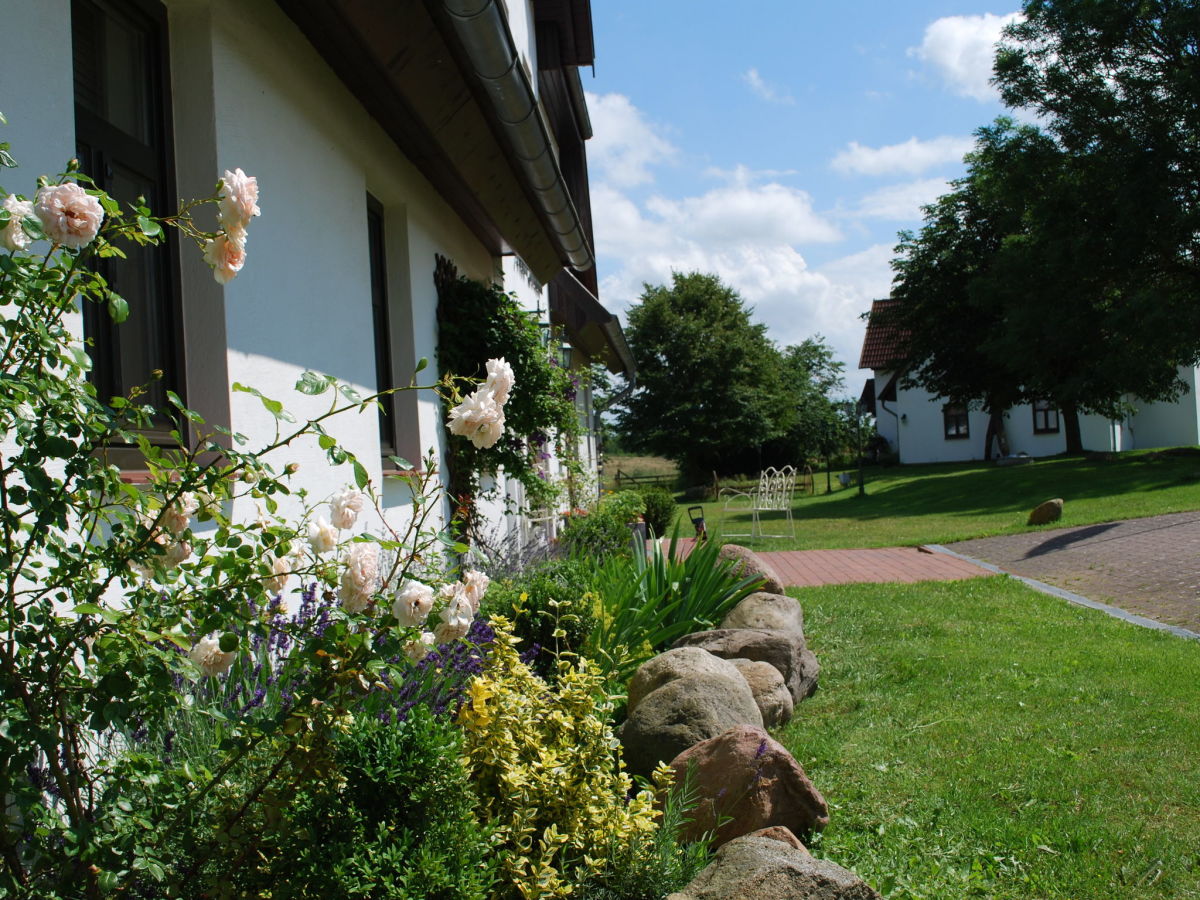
[{"x": 1147, "y": 566}]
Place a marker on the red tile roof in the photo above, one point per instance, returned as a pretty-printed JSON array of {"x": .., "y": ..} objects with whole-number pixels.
[{"x": 884, "y": 342}]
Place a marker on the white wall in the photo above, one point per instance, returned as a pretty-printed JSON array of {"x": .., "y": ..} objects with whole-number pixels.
[{"x": 1169, "y": 424}]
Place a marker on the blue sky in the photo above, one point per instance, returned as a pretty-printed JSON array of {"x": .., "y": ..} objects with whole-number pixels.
[{"x": 779, "y": 144}]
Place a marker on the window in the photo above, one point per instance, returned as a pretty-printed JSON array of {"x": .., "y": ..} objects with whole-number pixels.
[
  {"x": 1045, "y": 417},
  {"x": 122, "y": 141},
  {"x": 381, "y": 325},
  {"x": 954, "y": 421}
]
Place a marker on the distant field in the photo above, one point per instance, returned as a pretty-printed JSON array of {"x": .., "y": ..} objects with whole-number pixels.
[{"x": 638, "y": 467}]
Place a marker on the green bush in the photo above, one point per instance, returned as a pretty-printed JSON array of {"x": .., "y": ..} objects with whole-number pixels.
[
  {"x": 660, "y": 509},
  {"x": 604, "y": 531},
  {"x": 551, "y": 606},
  {"x": 393, "y": 820}
]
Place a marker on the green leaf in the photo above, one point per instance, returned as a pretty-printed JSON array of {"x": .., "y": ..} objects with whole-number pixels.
[
  {"x": 149, "y": 227},
  {"x": 326, "y": 441},
  {"x": 401, "y": 463},
  {"x": 87, "y": 609},
  {"x": 118, "y": 309},
  {"x": 421, "y": 364},
  {"x": 32, "y": 226},
  {"x": 313, "y": 384},
  {"x": 360, "y": 475},
  {"x": 229, "y": 642}
]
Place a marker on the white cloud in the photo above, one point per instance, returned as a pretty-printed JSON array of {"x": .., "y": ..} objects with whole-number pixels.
[
  {"x": 766, "y": 91},
  {"x": 901, "y": 202},
  {"x": 908, "y": 158},
  {"x": 624, "y": 145},
  {"x": 962, "y": 48}
]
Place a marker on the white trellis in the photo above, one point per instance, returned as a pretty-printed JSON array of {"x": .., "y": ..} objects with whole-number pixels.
[{"x": 774, "y": 494}]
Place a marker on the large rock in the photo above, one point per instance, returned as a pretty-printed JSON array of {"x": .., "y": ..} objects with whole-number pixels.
[
  {"x": 746, "y": 780},
  {"x": 684, "y": 662},
  {"x": 748, "y": 564},
  {"x": 787, "y": 652},
  {"x": 759, "y": 868},
  {"x": 1045, "y": 513},
  {"x": 766, "y": 684},
  {"x": 767, "y": 612},
  {"x": 682, "y": 711}
]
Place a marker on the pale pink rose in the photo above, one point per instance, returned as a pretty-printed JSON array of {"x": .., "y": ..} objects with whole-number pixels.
[
  {"x": 322, "y": 536},
  {"x": 207, "y": 656},
  {"x": 413, "y": 603},
  {"x": 360, "y": 577},
  {"x": 239, "y": 199},
  {"x": 445, "y": 632},
  {"x": 175, "y": 518},
  {"x": 345, "y": 506},
  {"x": 13, "y": 237},
  {"x": 416, "y": 650},
  {"x": 479, "y": 418},
  {"x": 175, "y": 553},
  {"x": 70, "y": 216},
  {"x": 500, "y": 379},
  {"x": 282, "y": 567},
  {"x": 458, "y": 611},
  {"x": 226, "y": 253},
  {"x": 475, "y": 586}
]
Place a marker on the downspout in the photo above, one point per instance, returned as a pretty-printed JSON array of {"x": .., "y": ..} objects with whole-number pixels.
[{"x": 482, "y": 30}]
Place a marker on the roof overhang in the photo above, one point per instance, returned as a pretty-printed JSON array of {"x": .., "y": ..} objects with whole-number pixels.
[
  {"x": 443, "y": 79},
  {"x": 588, "y": 326}
]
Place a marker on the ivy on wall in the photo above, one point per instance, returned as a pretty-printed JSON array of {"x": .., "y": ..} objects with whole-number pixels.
[{"x": 477, "y": 322}]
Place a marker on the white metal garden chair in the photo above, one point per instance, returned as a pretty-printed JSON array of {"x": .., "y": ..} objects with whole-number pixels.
[{"x": 774, "y": 494}]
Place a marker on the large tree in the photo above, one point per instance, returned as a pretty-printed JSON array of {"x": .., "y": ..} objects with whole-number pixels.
[
  {"x": 1010, "y": 292},
  {"x": 709, "y": 390}
]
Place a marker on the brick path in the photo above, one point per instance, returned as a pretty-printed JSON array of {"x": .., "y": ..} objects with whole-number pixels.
[
  {"x": 1147, "y": 566},
  {"x": 807, "y": 568}
]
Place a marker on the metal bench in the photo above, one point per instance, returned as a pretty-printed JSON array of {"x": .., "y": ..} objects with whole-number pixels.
[{"x": 774, "y": 494}]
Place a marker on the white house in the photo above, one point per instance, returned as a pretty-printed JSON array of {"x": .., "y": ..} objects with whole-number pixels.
[
  {"x": 381, "y": 134},
  {"x": 921, "y": 428}
]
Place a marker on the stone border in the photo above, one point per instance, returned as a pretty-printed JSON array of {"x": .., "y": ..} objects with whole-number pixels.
[{"x": 1079, "y": 600}]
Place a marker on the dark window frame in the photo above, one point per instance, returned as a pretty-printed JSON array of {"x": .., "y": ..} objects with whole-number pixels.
[
  {"x": 381, "y": 326},
  {"x": 956, "y": 422},
  {"x": 1042, "y": 411},
  {"x": 101, "y": 144}
]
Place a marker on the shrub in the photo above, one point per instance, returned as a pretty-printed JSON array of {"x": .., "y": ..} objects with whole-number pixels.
[
  {"x": 551, "y": 608},
  {"x": 660, "y": 509},
  {"x": 542, "y": 762},
  {"x": 605, "y": 530},
  {"x": 648, "y": 602}
]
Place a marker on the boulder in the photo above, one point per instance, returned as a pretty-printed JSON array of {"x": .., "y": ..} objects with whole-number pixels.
[
  {"x": 787, "y": 652},
  {"x": 779, "y": 833},
  {"x": 746, "y": 780},
  {"x": 772, "y": 696},
  {"x": 748, "y": 564},
  {"x": 767, "y": 612},
  {"x": 683, "y": 712},
  {"x": 684, "y": 662},
  {"x": 759, "y": 868},
  {"x": 1045, "y": 513}
]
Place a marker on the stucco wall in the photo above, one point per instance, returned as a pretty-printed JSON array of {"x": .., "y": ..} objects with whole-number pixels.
[{"x": 1169, "y": 424}]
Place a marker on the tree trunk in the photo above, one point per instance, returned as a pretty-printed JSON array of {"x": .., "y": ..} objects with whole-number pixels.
[{"x": 1070, "y": 414}]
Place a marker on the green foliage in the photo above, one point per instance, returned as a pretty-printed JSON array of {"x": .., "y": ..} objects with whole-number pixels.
[
  {"x": 604, "y": 531},
  {"x": 541, "y": 759},
  {"x": 649, "y": 603},
  {"x": 551, "y": 606},
  {"x": 661, "y": 510},
  {"x": 477, "y": 322},
  {"x": 654, "y": 865},
  {"x": 392, "y": 819}
]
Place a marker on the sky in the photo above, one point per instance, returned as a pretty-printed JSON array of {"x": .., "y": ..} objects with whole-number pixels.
[{"x": 781, "y": 145}]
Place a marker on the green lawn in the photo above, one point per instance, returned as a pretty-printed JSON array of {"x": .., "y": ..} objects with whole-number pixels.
[
  {"x": 978, "y": 739},
  {"x": 940, "y": 503}
]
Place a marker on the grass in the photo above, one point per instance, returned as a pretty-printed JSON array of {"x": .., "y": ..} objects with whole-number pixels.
[
  {"x": 937, "y": 504},
  {"x": 978, "y": 739}
]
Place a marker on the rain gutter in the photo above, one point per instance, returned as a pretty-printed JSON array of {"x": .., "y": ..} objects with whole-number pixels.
[{"x": 481, "y": 28}]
